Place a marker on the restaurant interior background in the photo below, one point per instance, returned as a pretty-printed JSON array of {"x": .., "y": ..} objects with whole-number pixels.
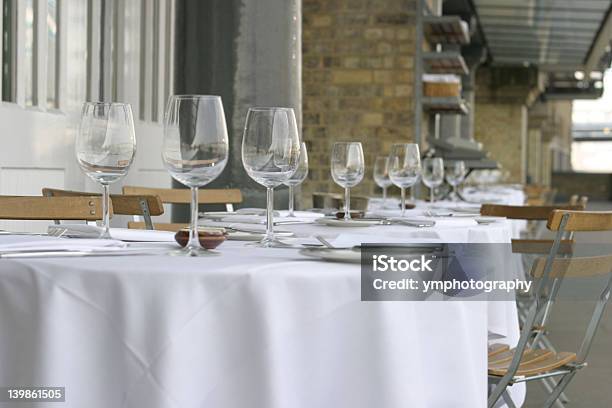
[{"x": 532, "y": 75}]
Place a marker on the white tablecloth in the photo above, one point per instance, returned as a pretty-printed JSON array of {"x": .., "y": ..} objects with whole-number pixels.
[{"x": 249, "y": 328}]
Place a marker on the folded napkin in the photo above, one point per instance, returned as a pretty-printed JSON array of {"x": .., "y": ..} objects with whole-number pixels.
[
  {"x": 42, "y": 243},
  {"x": 121, "y": 234}
]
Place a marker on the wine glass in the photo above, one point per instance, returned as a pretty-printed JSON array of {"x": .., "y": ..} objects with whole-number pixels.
[
  {"x": 195, "y": 150},
  {"x": 404, "y": 167},
  {"x": 298, "y": 177},
  {"x": 347, "y": 169},
  {"x": 455, "y": 173},
  {"x": 105, "y": 147},
  {"x": 433, "y": 174},
  {"x": 381, "y": 175},
  {"x": 270, "y": 155}
]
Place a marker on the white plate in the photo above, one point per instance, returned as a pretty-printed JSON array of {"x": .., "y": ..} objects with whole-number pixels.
[
  {"x": 346, "y": 255},
  {"x": 333, "y": 222}
]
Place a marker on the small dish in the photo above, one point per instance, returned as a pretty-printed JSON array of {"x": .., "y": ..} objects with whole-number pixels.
[{"x": 210, "y": 238}]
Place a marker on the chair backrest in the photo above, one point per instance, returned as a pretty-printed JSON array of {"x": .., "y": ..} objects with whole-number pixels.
[
  {"x": 50, "y": 208},
  {"x": 525, "y": 212},
  {"x": 229, "y": 197},
  {"x": 569, "y": 220},
  {"x": 183, "y": 196},
  {"x": 122, "y": 204}
]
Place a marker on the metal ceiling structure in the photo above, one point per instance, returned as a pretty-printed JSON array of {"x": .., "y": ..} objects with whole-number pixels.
[{"x": 555, "y": 35}]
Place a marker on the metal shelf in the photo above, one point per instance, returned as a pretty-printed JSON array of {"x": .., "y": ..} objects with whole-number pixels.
[
  {"x": 446, "y": 30},
  {"x": 445, "y": 62},
  {"x": 445, "y": 105}
]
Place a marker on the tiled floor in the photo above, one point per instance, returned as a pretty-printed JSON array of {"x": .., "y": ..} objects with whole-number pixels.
[{"x": 592, "y": 386}]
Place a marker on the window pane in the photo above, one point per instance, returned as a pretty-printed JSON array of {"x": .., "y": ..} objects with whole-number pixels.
[
  {"x": 7, "y": 51},
  {"x": 52, "y": 54},
  {"x": 29, "y": 62}
]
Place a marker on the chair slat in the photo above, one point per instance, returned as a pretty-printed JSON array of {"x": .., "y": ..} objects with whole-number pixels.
[
  {"x": 581, "y": 220},
  {"x": 183, "y": 196},
  {"x": 173, "y": 227},
  {"x": 574, "y": 267},
  {"x": 542, "y": 361},
  {"x": 526, "y": 212},
  {"x": 50, "y": 208},
  {"x": 122, "y": 204},
  {"x": 540, "y": 246}
]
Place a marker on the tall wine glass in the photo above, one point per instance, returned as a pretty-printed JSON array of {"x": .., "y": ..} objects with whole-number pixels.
[
  {"x": 455, "y": 173},
  {"x": 298, "y": 177},
  {"x": 381, "y": 175},
  {"x": 433, "y": 174},
  {"x": 195, "y": 150},
  {"x": 270, "y": 155},
  {"x": 404, "y": 167},
  {"x": 347, "y": 169},
  {"x": 105, "y": 147}
]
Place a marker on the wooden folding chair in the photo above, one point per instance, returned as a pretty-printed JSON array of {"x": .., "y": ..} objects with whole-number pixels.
[
  {"x": 50, "y": 208},
  {"x": 229, "y": 197},
  {"x": 143, "y": 205},
  {"x": 530, "y": 247},
  {"x": 527, "y": 362}
]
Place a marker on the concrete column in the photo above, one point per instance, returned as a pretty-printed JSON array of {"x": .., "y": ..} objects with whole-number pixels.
[{"x": 249, "y": 52}]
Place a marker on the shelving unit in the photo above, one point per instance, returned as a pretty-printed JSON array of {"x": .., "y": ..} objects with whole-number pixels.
[{"x": 445, "y": 34}]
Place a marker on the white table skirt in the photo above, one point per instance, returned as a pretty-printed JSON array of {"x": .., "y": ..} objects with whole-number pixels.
[{"x": 249, "y": 328}]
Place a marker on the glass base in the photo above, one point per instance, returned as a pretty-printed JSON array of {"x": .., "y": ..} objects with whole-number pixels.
[
  {"x": 272, "y": 242},
  {"x": 194, "y": 251}
]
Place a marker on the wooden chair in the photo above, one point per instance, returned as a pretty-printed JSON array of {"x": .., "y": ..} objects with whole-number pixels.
[
  {"x": 229, "y": 197},
  {"x": 143, "y": 206},
  {"x": 50, "y": 208},
  {"x": 528, "y": 362}
]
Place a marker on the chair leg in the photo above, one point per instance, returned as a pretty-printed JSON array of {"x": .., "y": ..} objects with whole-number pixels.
[
  {"x": 558, "y": 389},
  {"x": 498, "y": 391},
  {"x": 549, "y": 385},
  {"x": 508, "y": 399}
]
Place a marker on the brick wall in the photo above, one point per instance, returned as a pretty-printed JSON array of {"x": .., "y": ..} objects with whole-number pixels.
[
  {"x": 500, "y": 115},
  {"x": 357, "y": 81}
]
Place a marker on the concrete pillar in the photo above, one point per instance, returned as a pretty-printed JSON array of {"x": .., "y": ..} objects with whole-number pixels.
[{"x": 249, "y": 52}]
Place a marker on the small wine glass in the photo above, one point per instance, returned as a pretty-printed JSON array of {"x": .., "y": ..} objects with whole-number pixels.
[
  {"x": 347, "y": 169},
  {"x": 298, "y": 177},
  {"x": 105, "y": 147},
  {"x": 270, "y": 155},
  {"x": 455, "y": 174},
  {"x": 433, "y": 174},
  {"x": 195, "y": 150},
  {"x": 381, "y": 176},
  {"x": 404, "y": 167}
]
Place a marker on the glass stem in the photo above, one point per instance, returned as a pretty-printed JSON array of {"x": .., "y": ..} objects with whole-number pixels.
[
  {"x": 269, "y": 211},
  {"x": 347, "y": 203},
  {"x": 431, "y": 195},
  {"x": 291, "y": 202},
  {"x": 384, "y": 195},
  {"x": 455, "y": 196},
  {"x": 403, "y": 201},
  {"x": 106, "y": 212},
  {"x": 194, "y": 241}
]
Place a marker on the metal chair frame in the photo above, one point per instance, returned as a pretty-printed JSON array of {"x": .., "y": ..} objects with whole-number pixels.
[{"x": 544, "y": 297}]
